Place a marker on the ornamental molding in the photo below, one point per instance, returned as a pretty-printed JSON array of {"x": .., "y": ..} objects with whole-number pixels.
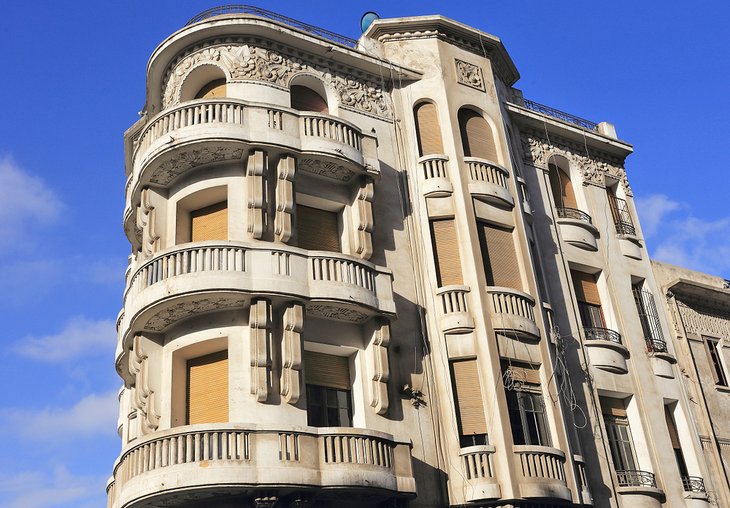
[
  {"x": 469, "y": 74},
  {"x": 336, "y": 313},
  {"x": 325, "y": 169},
  {"x": 160, "y": 321},
  {"x": 704, "y": 322},
  {"x": 256, "y": 60},
  {"x": 186, "y": 160},
  {"x": 593, "y": 168}
]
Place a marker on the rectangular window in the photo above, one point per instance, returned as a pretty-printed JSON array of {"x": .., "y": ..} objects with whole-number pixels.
[
  {"x": 674, "y": 438},
  {"x": 207, "y": 389},
  {"x": 209, "y": 223},
  {"x": 499, "y": 256},
  {"x": 327, "y": 378},
  {"x": 589, "y": 301},
  {"x": 318, "y": 229},
  {"x": 528, "y": 418},
  {"x": 713, "y": 351},
  {"x": 446, "y": 252},
  {"x": 619, "y": 439},
  {"x": 469, "y": 403},
  {"x": 649, "y": 318},
  {"x": 620, "y": 213}
]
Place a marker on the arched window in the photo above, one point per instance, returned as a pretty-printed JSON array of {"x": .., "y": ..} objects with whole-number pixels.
[
  {"x": 560, "y": 185},
  {"x": 477, "y": 138},
  {"x": 204, "y": 82},
  {"x": 428, "y": 129},
  {"x": 305, "y": 99}
]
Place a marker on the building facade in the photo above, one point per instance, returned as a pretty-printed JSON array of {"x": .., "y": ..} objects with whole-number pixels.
[{"x": 371, "y": 273}]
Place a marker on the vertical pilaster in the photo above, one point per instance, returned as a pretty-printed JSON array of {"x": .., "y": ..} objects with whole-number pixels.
[
  {"x": 256, "y": 187},
  {"x": 260, "y": 341},
  {"x": 379, "y": 366},
  {"x": 285, "y": 172},
  {"x": 291, "y": 352}
]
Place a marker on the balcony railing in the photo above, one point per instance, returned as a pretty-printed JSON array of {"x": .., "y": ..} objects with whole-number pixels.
[
  {"x": 635, "y": 478},
  {"x": 621, "y": 216},
  {"x": 595, "y": 333},
  {"x": 649, "y": 318},
  {"x": 574, "y": 213},
  {"x": 693, "y": 484},
  {"x": 263, "y": 13},
  {"x": 561, "y": 115},
  {"x": 656, "y": 346}
]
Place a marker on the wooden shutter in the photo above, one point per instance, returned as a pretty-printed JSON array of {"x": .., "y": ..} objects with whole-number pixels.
[
  {"x": 214, "y": 89},
  {"x": 317, "y": 229},
  {"x": 613, "y": 407},
  {"x": 586, "y": 289},
  {"x": 476, "y": 136},
  {"x": 428, "y": 130},
  {"x": 499, "y": 257},
  {"x": 446, "y": 251},
  {"x": 468, "y": 394},
  {"x": 322, "y": 369},
  {"x": 306, "y": 99},
  {"x": 207, "y": 393},
  {"x": 210, "y": 223},
  {"x": 523, "y": 372},
  {"x": 562, "y": 188}
]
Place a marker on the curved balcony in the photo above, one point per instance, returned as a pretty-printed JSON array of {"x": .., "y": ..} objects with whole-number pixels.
[
  {"x": 434, "y": 172},
  {"x": 221, "y": 459},
  {"x": 203, "y": 131},
  {"x": 488, "y": 181},
  {"x": 543, "y": 472},
  {"x": 478, "y": 471},
  {"x": 455, "y": 316},
  {"x": 639, "y": 488},
  {"x": 606, "y": 350},
  {"x": 172, "y": 285},
  {"x": 576, "y": 228},
  {"x": 513, "y": 312}
]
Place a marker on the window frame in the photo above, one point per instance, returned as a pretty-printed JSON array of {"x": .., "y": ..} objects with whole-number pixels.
[
  {"x": 516, "y": 406},
  {"x": 714, "y": 355}
]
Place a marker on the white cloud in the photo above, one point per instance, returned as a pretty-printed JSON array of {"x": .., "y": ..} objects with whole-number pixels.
[
  {"x": 24, "y": 199},
  {"x": 79, "y": 337},
  {"x": 652, "y": 211},
  {"x": 95, "y": 414},
  {"x": 43, "y": 490},
  {"x": 681, "y": 238}
]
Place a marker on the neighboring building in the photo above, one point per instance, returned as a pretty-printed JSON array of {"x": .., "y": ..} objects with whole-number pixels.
[
  {"x": 699, "y": 308},
  {"x": 369, "y": 273}
]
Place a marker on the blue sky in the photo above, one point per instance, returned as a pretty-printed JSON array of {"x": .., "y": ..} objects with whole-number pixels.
[{"x": 73, "y": 80}]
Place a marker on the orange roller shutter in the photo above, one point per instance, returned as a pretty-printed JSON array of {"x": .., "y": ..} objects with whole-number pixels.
[
  {"x": 210, "y": 223},
  {"x": 429, "y": 131},
  {"x": 468, "y": 393},
  {"x": 317, "y": 229},
  {"x": 331, "y": 371},
  {"x": 207, "y": 394},
  {"x": 446, "y": 251}
]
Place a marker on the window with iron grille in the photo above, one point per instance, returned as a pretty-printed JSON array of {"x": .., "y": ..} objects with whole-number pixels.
[
  {"x": 620, "y": 213},
  {"x": 649, "y": 317}
]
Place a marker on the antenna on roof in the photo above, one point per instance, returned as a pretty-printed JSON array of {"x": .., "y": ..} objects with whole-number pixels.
[{"x": 367, "y": 20}]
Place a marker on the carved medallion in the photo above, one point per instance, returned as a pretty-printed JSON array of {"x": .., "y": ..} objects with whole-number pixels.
[{"x": 469, "y": 74}]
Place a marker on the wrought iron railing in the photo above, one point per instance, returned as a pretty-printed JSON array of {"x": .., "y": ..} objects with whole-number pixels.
[
  {"x": 257, "y": 11},
  {"x": 693, "y": 484},
  {"x": 596, "y": 333},
  {"x": 621, "y": 216},
  {"x": 656, "y": 346},
  {"x": 636, "y": 478},
  {"x": 561, "y": 115},
  {"x": 574, "y": 213}
]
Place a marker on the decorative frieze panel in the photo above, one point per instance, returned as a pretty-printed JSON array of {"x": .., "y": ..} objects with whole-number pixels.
[
  {"x": 142, "y": 395},
  {"x": 146, "y": 222},
  {"x": 336, "y": 313},
  {"x": 160, "y": 321},
  {"x": 325, "y": 169},
  {"x": 291, "y": 353},
  {"x": 184, "y": 160},
  {"x": 379, "y": 367},
  {"x": 592, "y": 164},
  {"x": 284, "y": 198},
  {"x": 703, "y": 323},
  {"x": 259, "y": 322},
  {"x": 246, "y": 59},
  {"x": 469, "y": 74},
  {"x": 256, "y": 188},
  {"x": 363, "y": 216}
]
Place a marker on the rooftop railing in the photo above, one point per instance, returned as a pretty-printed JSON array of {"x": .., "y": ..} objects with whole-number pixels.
[
  {"x": 561, "y": 115},
  {"x": 263, "y": 13}
]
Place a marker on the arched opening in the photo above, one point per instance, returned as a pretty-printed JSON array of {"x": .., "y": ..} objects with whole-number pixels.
[
  {"x": 204, "y": 82},
  {"x": 304, "y": 98},
  {"x": 560, "y": 185},
  {"x": 477, "y": 138},
  {"x": 428, "y": 129}
]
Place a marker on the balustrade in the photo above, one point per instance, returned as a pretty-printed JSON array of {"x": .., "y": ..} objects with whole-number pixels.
[
  {"x": 481, "y": 170},
  {"x": 454, "y": 308},
  {"x": 331, "y": 128},
  {"x": 331, "y": 269},
  {"x": 513, "y": 311}
]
